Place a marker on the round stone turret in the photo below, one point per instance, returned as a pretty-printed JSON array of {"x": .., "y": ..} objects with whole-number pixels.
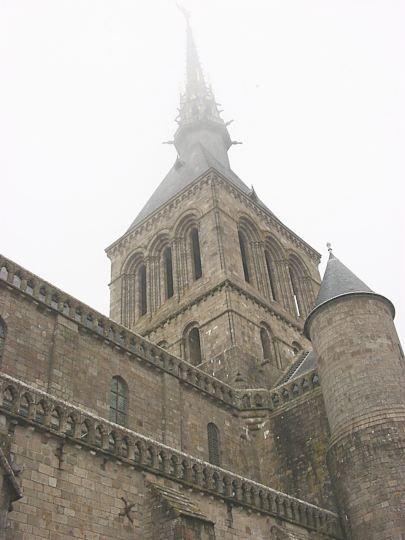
[{"x": 362, "y": 372}]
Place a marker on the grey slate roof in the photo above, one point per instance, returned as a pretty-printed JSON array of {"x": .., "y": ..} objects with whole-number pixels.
[
  {"x": 338, "y": 280},
  {"x": 304, "y": 363},
  {"x": 178, "y": 502},
  {"x": 183, "y": 173}
]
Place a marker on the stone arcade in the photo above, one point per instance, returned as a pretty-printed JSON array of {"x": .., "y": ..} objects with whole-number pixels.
[{"x": 231, "y": 395}]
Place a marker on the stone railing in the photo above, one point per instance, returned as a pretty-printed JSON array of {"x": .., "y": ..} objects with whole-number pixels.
[
  {"x": 122, "y": 339},
  {"x": 277, "y": 397},
  {"x": 27, "y": 405},
  {"x": 101, "y": 327}
]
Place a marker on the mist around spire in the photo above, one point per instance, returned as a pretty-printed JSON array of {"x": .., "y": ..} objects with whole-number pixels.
[
  {"x": 202, "y": 139},
  {"x": 197, "y": 102}
]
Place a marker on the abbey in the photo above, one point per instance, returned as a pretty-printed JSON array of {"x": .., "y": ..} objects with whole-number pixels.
[{"x": 231, "y": 394}]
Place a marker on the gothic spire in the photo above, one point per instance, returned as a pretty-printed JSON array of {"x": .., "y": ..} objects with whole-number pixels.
[
  {"x": 198, "y": 108},
  {"x": 202, "y": 140},
  {"x": 195, "y": 83}
]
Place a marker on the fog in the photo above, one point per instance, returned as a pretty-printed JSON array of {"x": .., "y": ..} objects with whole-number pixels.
[{"x": 90, "y": 89}]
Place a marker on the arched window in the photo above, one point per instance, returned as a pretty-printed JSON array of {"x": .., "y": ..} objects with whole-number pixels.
[
  {"x": 2, "y": 336},
  {"x": 243, "y": 252},
  {"x": 118, "y": 401},
  {"x": 266, "y": 343},
  {"x": 142, "y": 293},
  {"x": 196, "y": 254},
  {"x": 194, "y": 346},
  {"x": 301, "y": 287},
  {"x": 4, "y": 273},
  {"x": 213, "y": 444},
  {"x": 270, "y": 274},
  {"x": 168, "y": 269}
]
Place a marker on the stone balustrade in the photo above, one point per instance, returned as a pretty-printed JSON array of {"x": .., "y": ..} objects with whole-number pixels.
[
  {"x": 25, "y": 404},
  {"x": 117, "y": 335},
  {"x": 101, "y": 327}
]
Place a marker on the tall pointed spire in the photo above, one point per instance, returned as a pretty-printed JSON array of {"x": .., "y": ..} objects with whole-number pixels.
[
  {"x": 195, "y": 84},
  {"x": 202, "y": 140},
  {"x": 199, "y": 119}
]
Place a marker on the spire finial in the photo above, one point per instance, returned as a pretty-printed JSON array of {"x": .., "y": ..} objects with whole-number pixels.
[{"x": 329, "y": 246}]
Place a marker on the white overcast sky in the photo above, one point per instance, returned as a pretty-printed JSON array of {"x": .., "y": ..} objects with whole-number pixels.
[{"x": 89, "y": 90}]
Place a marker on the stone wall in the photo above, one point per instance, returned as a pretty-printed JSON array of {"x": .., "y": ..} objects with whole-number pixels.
[
  {"x": 300, "y": 437},
  {"x": 75, "y": 488}
]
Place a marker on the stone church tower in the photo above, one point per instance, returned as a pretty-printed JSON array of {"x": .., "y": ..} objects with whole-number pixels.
[
  {"x": 234, "y": 431},
  {"x": 206, "y": 270}
]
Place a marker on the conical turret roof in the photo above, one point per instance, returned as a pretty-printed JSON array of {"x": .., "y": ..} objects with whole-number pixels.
[{"x": 339, "y": 281}]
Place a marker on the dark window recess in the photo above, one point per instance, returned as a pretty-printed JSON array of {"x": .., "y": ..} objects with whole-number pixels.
[
  {"x": 242, "y": 245},
  {"x": 270, "y": 273},
  {"x": 196, "y": 254},
  {"x": 167, "y": 258},
  {"x": 118, "y": 401},
  {"x": 143, "y": 303},
  {"x": 213, "y": 444},
  {"x": 266, "y": 344},
  {"x": 194, "y": 346},
  {"x": 2, "y": 336},
  {"x": 293, "y": 279}
]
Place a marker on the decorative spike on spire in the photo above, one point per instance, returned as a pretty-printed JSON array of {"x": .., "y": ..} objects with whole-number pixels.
[{"x": 198, "y": 102}]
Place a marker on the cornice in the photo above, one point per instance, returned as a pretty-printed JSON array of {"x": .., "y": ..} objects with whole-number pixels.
[{"x": 228, "y": 284}]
